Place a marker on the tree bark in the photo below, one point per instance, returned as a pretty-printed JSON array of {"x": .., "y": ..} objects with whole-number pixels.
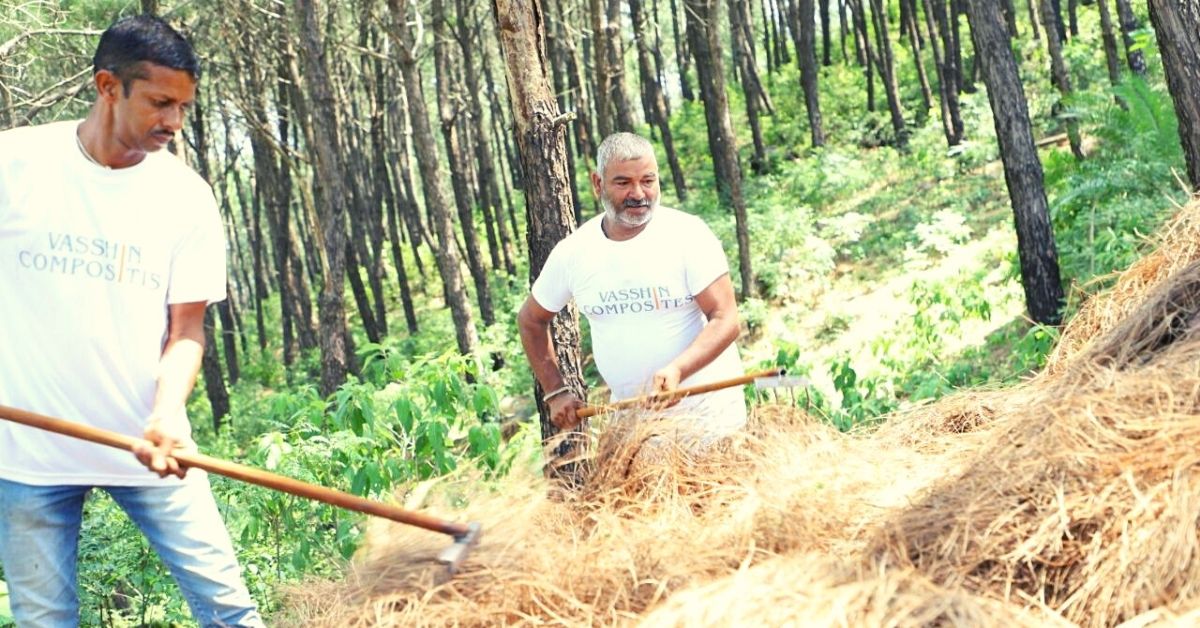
[
  {"x": 682, "y": 57},
  {"x": 489, "y": 190},
  {"x": 1022, "y": 169},
  {"x": 1057, "y": 23},
  {"x": 655, "y": 99},
  {"x": 703, "y": 40},
  {"x": 449, "y": 108},
  {"x": 743, "y": 58},
  {"x": 1129, "y": 24},
  {"x": 1062, "y": 78},
  {"x": 826, "y": 44},
  {"x": 935, "y": 20},
  {"x": 330, "y": 176},
  {"x": 916, "y": 42},
  {"x": 862, "y": 47},
  {"x": 803, "y": 25},
  {"x": 1112, "y": 58},
  {"x": 431, "y": 180},
  {"x": 542, "y": 144},
  {"x": 1177, "y": 25},
  {"x": 885, "y": 61}
]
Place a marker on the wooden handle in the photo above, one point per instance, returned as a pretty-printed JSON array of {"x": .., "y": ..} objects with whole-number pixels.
[
  {"x": 239, "y": 472},
  {"x": 679, "y": 393}
]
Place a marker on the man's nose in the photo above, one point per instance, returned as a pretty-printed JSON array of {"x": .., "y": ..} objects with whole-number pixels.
[{"x": 173, "y": 119}]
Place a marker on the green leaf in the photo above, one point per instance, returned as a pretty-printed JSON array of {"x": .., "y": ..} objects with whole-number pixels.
[{"x": 5, "y": 610}]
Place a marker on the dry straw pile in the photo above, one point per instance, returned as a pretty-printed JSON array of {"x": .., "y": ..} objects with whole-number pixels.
[{"x": 1072, "y": 499}]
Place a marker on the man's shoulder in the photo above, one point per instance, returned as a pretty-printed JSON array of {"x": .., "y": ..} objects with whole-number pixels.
[
  {"x": 177, "y": 174},
  {"x": 583, "y": 234},
  {"x": 31, "y": 142},
  {"x": 677, "y": 219}
]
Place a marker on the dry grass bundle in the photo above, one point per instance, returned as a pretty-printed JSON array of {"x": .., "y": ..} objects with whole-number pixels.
[
  {"x": 1178, "y": 246},
  {"x": 625, "y": 544},
  {"x": 815, "y": 590},
  {"x": 1089, "y": 504}
]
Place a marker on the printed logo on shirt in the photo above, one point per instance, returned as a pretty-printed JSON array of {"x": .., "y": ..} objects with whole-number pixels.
[
  {"x": 634, "y": 301},
  {"x": 90, "y": 257}
]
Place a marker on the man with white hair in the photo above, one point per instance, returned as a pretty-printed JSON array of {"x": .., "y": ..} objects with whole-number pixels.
[{"x": 654, "y": 284}]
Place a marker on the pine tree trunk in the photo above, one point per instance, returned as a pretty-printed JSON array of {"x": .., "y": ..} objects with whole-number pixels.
[
  {"x": 885, "y": 61},
  {"x": 1010, "y": 18},
  {"x": 862, "y": 44},
  {"x": 330, "y": 175},
  {"x": 768, "y": 27},
  {"x": 935, "y": 21},
  {"x": 448, "y": 113},
  {"x": 703, "y": 39},
  {"x": 682, "y": 57},
  {"x": 602, "y": 79},
  {"x": 654, "y": 97},
  {"x": 1057, "y": 24},
  {"x": 1112, "y": 58},
  {"x": 806, "y": 56},
  {"x": 615, "y": 48},
  {"x": 214, "y": 383},
  {"x": 826, "y": 44},
  {"x": 1062, "y": 78},
  {"x": 1022, "y": 169},
  {"x": 916, "y": 42},
  {"x": 541, "y": 138},
  {"x": 431, "y": 182},
  {"x": 964, "y": 80},
  {"x": 1129, "y": 25},
  {"x": 743, "y": 58},
  {"x": 489, "y": 190},
  {"x": 401, "y": 165},
  {"x": 210, "y": 361},
  {"x": 1177, "y": 25}
]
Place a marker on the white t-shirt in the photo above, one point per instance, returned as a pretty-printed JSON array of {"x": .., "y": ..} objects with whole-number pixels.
[
  {"x": 638, "y": 296},
  {"x": 89, "y": 260}
]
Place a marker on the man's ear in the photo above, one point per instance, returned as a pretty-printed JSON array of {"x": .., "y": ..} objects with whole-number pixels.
[
  {"x": 595, "y": 177},
  {"x": 108, "y": 85}
]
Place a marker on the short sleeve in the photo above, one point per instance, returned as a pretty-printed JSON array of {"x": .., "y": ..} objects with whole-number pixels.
[
  {"x": 704, "y": 261},
  {"x": 198, "y": 266},
  {"x": 551, "y": 289}
]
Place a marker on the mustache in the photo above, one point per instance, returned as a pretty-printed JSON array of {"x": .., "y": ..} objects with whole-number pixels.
[{"x": 645, "y": 202}]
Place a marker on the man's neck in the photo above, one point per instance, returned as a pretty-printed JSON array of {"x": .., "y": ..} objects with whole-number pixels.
[
  {"x": 97, "y": 139},
  {"x": 614, "y": 230}
]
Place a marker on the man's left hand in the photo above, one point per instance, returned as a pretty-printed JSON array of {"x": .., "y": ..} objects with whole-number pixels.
[
  {"x": 155, "y": 451},
  {"x": 665, "y": 381}
]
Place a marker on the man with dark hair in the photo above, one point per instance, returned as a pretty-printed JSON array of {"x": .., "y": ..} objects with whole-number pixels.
[{"x": 115, "y": 248}]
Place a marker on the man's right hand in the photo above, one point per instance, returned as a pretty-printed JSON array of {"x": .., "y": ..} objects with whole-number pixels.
[{"x": 562, "y": 410}]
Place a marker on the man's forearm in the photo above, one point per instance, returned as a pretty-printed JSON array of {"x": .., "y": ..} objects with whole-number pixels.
[
  {"x": 714, "y": 338},
  {"x": 535, "y": 338},
  {"x": 177, "y": 370}
]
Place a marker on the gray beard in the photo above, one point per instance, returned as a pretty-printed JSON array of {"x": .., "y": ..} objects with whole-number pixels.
[{"x": 623, "y": 218}]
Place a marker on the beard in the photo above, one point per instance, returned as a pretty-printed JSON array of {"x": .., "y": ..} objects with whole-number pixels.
[{"x": 623, "y": 217}]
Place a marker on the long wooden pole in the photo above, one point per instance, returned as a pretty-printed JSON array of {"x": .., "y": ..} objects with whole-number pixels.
[
  {"x": 240, "y": 472},
  {"x": 677, "y": 394}
]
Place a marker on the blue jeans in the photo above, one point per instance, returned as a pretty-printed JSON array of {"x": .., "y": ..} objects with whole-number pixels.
[{"x": 39, "y": 542}]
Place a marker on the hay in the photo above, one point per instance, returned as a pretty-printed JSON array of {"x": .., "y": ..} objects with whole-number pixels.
[
  {"x": 1178, "y": 246},
  {"x": 625, "y": 544},
  {"x": 815, "y": 590},
  {"x": 1071, "y": 499},
  {"x": 1088, "y": 504}
]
